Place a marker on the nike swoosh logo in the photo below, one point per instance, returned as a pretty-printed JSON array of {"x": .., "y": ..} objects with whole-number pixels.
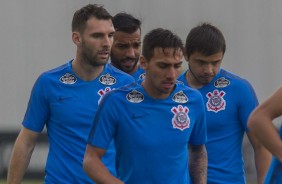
[{"x": 61, "y": 99}]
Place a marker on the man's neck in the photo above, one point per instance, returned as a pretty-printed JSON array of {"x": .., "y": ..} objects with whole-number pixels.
[
  {"x": 134, "y": 70},
  {"x": 192, "y": 81},
  {"x": 85, "y": 71}
]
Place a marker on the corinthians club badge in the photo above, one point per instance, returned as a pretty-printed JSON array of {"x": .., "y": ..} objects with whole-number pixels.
[
  {"x": 215, "y": 101},
  {"x": 180, "y": 119}
]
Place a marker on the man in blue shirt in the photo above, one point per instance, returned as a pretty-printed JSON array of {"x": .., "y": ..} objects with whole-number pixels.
[
  {"x": 126, "y": 47},
  {"x": 229, "y": 100},
  {"x": 65, "y": 100},
  {"x": 152, "y": 123}
]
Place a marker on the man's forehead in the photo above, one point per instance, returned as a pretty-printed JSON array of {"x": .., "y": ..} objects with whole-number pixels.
[
  {"x": 119, "y": 35},
  {"x": 127, "y": 41},
  {"x": 99, "y": 25},
  {"x": 168, "y": 51}
]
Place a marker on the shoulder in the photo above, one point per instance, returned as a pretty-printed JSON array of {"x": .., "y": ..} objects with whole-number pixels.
[
  {"x": 139, "y": 74},
  {"x": 114, "y": 71},
  {"x": 228, "y": 78},
  {"x": 55, "y": 73},
  {"x": 181, "y": 86},
  {"x": 191, "y": 93},
  {"x": 234, "y": 85},
  {"x": 121, "y": 93},
  {"x": 118, "y": 73},
  {"x": 181, "y": 78}
]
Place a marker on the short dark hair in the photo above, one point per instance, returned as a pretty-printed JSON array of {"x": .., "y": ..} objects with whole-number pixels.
[
  {"x": 82, "y": 15},
  {"x": 160, "y": 38},
  {"x": 125, "y": 22},
  {"x": 206, "y": 39}
]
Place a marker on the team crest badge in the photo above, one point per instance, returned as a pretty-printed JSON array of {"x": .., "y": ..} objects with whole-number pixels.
[
  {"x": 107, "y": 79},
  {"x": 215, "y": 101},
  {"x": 221, "y": 83},
  {"x": 68, "y": 79},
  {"x": 180, "y": 119},
  {"x": 102, "y": 92},
  {"x": 179, "y": 82},
  {"x": 135, "y": 96},
  {"x": 142, "y": 76},
  {"x": 180, "y": 97}
]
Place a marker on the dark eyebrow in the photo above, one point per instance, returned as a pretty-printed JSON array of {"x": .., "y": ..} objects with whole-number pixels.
[
  {"x": 97, "y": 34},
  {"x": 165, "y": 63},
  {"x": 203, "y": 61}
]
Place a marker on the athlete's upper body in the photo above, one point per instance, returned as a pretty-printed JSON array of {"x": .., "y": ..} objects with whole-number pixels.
[
  {"x": 126, "y": 47},
  {"x": 227, "y": 112},
  {"x": 65, "y": 99},
  {"x": 229, "y": 100},
  {"x": 152, "y": 123}
]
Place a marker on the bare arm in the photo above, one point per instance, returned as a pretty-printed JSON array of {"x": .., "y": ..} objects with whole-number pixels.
[
  {"x": 262, "y": 158},
  {"x": 260, "y": 123},
  {"x": 21, "y": 154},
  {"x": 94, "y": 167},
  {"x": 198, "y": 164}
]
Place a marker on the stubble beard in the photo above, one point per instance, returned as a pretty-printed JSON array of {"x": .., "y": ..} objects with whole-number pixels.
[
  {"x": 118, "y": 64},
  {"x": 92, "y": 58}
]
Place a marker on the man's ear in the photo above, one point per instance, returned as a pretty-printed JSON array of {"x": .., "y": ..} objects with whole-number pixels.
[
  {"x": 76, "y": 38},
  {"x": 143, "y": 62}
]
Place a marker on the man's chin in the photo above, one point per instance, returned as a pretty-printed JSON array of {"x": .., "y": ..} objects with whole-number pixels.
[
  {"x": 100, "y": 63},
  {"x": 127, "y": 69},
  {"x": 206, "y": 82}
]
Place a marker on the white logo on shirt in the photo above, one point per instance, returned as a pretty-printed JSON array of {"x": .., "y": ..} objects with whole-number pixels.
[
  {"x": 135, "y": 96},
  {"x": 180, "y": 97},
  {"x": 68, "y": 79},
  {"x": 215, "y": 101},
  {"x": 142, "y": 76},
  {"x": 221, "y": 83},
  {"x": 180, "y": 119},
  {"x": 107, "y": 79}
]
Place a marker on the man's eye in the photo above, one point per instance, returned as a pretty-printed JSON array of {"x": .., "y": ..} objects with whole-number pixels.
[
  {"x": 216, "y": 63},
  {"x": 136, "y": 45},
  {"x": 96, "y": 36},
  {"x": 162, "y": 66},
  {"x": 111, "y": 35},
  {"x": 178, "y": 66},
  {"x": 122, "y": 46}
]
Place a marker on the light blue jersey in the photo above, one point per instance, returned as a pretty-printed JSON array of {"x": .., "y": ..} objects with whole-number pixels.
[
  {"x": 66, "y": 105},
  {"x": 139, "y": 74},
  {"x": 229, "y": 100},
  {"x": 274, "y": 174},
  {"x": 151, "y": 135}
]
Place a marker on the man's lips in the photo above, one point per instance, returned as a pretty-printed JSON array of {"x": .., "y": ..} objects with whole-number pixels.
[{"x": 104, "y": 54}]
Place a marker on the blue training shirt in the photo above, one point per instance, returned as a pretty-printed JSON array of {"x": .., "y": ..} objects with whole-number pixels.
[
  {"x": 229, "y": 100},
  {"x": 139, "y": 74},
  {"x": 274, "y": 174},
  {"x": 66, "y": 105},
  {"x": 151, "y": 135}
]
